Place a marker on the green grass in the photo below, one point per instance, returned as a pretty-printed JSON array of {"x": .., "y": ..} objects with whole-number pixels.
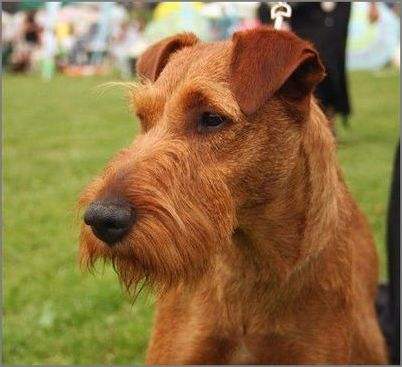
[{"x": 57, "y": 135}]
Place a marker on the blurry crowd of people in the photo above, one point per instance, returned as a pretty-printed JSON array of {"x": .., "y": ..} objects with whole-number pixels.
[
  {"x": 94, "y": 38},
  {"x": 79, "y": 49}
]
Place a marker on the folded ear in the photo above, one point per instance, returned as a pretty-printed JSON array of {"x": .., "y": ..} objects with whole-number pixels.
[
  {"x": 266, "y": 61},
  {"x": 154, "y": 59}
]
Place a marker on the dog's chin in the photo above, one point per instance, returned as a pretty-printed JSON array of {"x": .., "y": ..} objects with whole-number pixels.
[{"x": 140, "y": 259}]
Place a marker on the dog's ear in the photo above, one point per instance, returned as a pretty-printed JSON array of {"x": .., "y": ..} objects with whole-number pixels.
[
  {"x": 155, "y": 58},
  {"x": 266, "y": 61}
]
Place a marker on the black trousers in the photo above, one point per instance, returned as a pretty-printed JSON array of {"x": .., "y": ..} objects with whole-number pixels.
[{"x": 393, "y": 248}]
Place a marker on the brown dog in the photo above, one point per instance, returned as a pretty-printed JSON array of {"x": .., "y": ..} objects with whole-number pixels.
[{"x": 232, "y": 206}]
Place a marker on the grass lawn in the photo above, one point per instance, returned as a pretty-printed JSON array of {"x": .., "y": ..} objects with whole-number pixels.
[{"x": 57, "y": 135}]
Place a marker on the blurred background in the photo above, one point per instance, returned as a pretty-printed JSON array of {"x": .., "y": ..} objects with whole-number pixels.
[
  {"x": 59, "y": 131},
  {"x": 97, "y": 38}
]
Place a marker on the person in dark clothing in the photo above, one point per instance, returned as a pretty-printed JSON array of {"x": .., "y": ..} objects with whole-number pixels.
[
  {"x": 263, "y": 13},
  {"x": 393, "y": 249},
  {"x": 326, "y": 26},
  {"x": 388, "y": 297},
  {"x": 29, "y": 42},
  {"x": 31, "y": 29}
]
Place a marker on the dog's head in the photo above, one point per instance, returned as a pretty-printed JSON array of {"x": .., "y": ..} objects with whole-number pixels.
[{"x": 221, "y": 128}]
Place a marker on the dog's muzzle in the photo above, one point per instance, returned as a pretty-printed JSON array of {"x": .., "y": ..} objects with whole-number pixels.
[{"x": 110, "y": 219}]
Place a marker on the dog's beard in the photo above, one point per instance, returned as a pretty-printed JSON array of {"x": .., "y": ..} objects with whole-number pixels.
[{"x": 184, "y": 213}]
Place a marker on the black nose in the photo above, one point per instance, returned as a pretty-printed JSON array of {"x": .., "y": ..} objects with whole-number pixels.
[{"x": 110, "y": 219}]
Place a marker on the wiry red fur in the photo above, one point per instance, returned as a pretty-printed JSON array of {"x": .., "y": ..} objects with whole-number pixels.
[
  {"x": 248, "y": 233},
  {"x": 181, "y": 221}
]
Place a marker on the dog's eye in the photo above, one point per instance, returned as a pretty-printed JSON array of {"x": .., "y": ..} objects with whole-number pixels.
[{"x": 210, "y": 121}]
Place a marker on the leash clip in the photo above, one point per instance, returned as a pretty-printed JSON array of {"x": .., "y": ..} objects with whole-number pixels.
[{"x": 278, "y": 11}]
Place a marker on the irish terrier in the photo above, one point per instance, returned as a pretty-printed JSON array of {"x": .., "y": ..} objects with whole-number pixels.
[{"x": 231, "y": 206}]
